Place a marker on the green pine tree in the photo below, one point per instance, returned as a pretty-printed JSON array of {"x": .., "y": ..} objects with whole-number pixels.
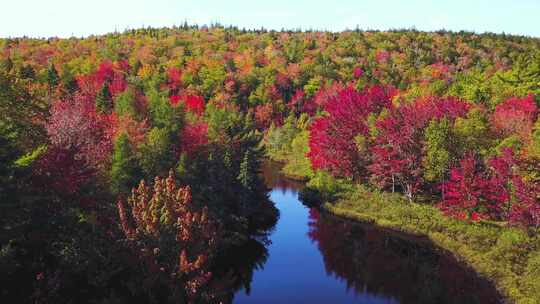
[
  {"x": 124, "y": 104},
  {"x": 52, "y": 76},
  {"x": 124, "y": 169},
  {"x": 155, "y": 155},
  {"x": 247, "y": 175},
  {"x": 104, "y": 100}
]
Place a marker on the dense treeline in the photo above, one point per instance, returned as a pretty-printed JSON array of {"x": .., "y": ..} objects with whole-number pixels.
[
  {"x": 480, "y": 164},
  {"x": 92, "y": 127}
]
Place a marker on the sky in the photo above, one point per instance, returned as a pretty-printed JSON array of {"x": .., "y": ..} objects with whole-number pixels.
[{"x": 65, "y": 18}]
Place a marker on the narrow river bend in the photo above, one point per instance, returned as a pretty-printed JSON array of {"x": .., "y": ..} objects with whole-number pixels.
[{"x": 314, "y": 257}]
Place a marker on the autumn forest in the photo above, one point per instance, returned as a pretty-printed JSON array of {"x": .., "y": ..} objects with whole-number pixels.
[{"x": 131, "y": 163}]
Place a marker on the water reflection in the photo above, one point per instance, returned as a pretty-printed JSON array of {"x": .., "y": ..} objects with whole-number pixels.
[
  {"x": 235, "y": 267},
  {"x": 370, "y": 260},
  {"x": 274, "y": 180}
]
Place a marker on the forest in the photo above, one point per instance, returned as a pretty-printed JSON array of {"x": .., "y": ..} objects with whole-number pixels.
[{"x": 133, "y": 159}]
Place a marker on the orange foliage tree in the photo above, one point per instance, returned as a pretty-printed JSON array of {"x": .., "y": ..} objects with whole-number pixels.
[{"x": 171, "y": 233}]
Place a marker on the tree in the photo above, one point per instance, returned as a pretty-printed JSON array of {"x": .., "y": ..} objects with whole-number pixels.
[
  {"x": 69, "y": 82},
  {"x": 171, "y": 233},
  {"x": 265, "y": 115},
  {"x": 250, "y": 187},
  {"x": 358, "y": 72},
  {"x": 278, "y": 140},
  {"x": 135, "y": 130},
  {"x": 332, "y": 137},
  {"x": 301, "y": 104},
  {"x": 22, "y": 136},
  {"x": 515, "y": 198},
  {"x": 466, "y": 190},
  {"x": 515, "y": 116},
  {"x": 195, "y": 104},
  {"x": 298, "y": 163},
  {"x": 162, "y": 113},
  {"x": 113, "y": 74},
  {"x": 23, "y": 113},
  {"x": 212, "y": 77},
  {"x": 74, "y": 125},
  {"x": 193, "y": 137},
  {"x": 525, "y": 211},
  {"x": 62, "y": 171},
  {"x": 438, "y": 143},
  {"x": 472, "y": 132},
  {"x": 174, "y": 77},
  {"x": 123, "y": 166},
  {"x": 502, "y": 174},
  {"x": 104, "y": 102},
  {"x": 53, "y": 79},
  {"x": 324, "y": 95},
  {"x": 398, "y": 150},
  {"x": 156, "y": 154},
  {"x": 497, "y": 191},
  {"x": 248, "y": 170},
  {"x": 124, "y": 104}
]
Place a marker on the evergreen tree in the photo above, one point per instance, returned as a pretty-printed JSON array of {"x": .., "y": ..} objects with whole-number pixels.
[
  {"x": 104, "y": 100},
  {"x": 124, "y": 104},
  {"x": 162, "y": 113},
  {"x": 156, "y": 155},
  {"x": 52, "y": 76},
  {"x": 248, "y": 171},
  {"x": 124, "y": 170},
  {"x": 182, "y": 168}
]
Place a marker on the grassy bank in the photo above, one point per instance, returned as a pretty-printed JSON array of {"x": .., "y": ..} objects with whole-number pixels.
[{"x": 509, "y": 257}]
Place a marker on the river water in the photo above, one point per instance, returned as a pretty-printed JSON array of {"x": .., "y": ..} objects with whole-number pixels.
[{"x": 314, "y": 257}]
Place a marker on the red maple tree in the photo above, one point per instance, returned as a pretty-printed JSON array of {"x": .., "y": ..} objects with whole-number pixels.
[{"x": 332, "y": 139}]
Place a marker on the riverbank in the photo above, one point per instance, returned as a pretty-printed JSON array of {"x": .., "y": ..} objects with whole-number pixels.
[{"x": 508, "y": 257}]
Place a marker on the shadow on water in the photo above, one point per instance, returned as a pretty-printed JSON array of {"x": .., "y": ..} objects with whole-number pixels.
[
  {"x": 275, "y": 180},
  {"x": 235, "y": 268},
  {"x": 368, "y": 259},
  {"x": 314, "y": 257}
]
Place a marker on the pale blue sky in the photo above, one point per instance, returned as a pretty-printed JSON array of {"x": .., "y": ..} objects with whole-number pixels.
[{"x": 81, "y": 18}]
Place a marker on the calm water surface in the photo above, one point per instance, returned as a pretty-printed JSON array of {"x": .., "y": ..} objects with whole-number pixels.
[{"x": 318, "y": 258}]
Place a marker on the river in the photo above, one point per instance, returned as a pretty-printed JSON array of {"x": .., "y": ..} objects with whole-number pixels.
[{"x": 313, "y": 257}]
